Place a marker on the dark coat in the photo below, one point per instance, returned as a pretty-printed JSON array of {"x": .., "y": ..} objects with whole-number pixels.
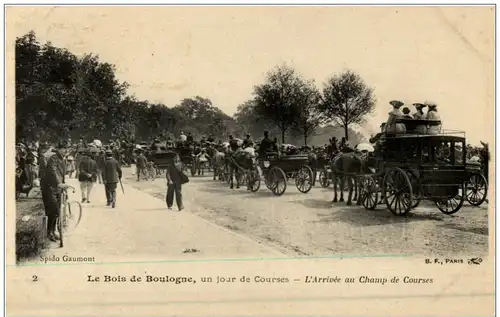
[
  {"x": 54, "y": 171},
  {"x": 112, "y": 171},
  {"x": 141, "y": 161},
  {"x": 87, "y": 170}
]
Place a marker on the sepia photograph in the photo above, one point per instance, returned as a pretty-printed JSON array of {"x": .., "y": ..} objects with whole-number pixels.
[{"x": 142, "y": 137}]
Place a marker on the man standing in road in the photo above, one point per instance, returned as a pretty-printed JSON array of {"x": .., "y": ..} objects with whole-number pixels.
[
  {"x": 51, "y": 184},
  {"x": 140, "y": 162},
  {"x": 175, "y": 179},
  {"x": 111, "y": 175}
]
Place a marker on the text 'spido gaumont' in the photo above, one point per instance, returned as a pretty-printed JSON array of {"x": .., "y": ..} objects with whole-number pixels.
[{"x": 67, "y": 259}]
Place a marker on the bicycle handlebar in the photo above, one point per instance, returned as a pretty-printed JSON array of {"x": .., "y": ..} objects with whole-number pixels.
[{"x": 69, "y": 187}]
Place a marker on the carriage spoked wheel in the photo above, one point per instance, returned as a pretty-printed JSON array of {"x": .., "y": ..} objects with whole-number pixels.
[
  {"x": 304, "y": 179},
  {"x": 277, "y": 181},
  {"x": 369, "y": 192},
  {"x": 451, "y": 205},
  {"x": 416, "y": 194},
  {"x": 476, "y": 189},
  {"x": 253, "y": 180},
  {"x": 397, "y": 191},
  {"x": 323, "y": 178}
]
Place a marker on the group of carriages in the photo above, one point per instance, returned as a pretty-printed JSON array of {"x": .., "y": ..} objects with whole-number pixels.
[{"x": 404, "y": 170}]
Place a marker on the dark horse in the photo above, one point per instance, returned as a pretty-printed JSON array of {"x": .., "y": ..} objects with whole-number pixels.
[
  {"x": 239, "y": 162},
  {"x": 347, "y": 166}
]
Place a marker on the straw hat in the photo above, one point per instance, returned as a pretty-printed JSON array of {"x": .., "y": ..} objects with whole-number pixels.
[
  {"x": 396, "y": 104},
  {"x": 419, "y": 105},
  {"x": 431, "y": 105}
]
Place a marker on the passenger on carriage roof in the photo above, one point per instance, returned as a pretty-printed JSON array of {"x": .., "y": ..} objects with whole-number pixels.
[
  {"x": 420, "y": 115},
  {"x": 433, "y": 115},
  {"x": 391, "y": 125},
  {"x": 406, "y": 113}
]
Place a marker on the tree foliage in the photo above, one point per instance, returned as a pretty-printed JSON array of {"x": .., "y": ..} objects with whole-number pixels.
[
  {"x": 61, "y": 95},
  {"x": 280, "y": 97},
  {"x": 308, "y": 118},
  {"x": 346, "y": 100}
]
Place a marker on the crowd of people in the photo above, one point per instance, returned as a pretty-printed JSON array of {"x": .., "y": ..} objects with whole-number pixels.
[{"x": 47, "y": 166}]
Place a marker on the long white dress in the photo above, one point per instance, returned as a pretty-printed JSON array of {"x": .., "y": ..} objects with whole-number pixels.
[
  {"x": 396, "y": 127},
  {"x": 420, "y": 129},
  {"x": 433, "y": 129}
]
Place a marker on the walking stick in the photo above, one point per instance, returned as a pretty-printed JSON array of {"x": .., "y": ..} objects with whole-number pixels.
[{"x": 121, "y": 185}]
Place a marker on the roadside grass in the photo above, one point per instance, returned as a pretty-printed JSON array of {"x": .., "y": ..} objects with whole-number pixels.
[{"x": 30, "y": 226}]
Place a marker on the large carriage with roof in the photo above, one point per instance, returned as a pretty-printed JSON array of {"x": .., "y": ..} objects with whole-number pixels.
[{"x": 414, "y": 167}]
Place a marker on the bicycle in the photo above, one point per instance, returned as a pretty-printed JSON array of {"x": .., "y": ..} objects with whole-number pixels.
[{"x": 66, "y": 214}]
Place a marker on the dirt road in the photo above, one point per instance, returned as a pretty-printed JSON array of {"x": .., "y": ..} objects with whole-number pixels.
[{"x": 309, "y": 224}]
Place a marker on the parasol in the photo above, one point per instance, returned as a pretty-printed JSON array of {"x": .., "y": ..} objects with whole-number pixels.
[{"x": 365, "y": 147}]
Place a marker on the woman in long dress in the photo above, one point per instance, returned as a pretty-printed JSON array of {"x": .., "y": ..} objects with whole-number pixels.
[
  {"x": 432, "y": 115},
  {"x": 391, "y": 126},
  {"x": 420, "y": 115}
]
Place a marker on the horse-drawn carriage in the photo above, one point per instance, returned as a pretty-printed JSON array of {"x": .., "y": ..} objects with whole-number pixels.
[
  {"x": 277, "y": 170},
  {"x": 161, "y": 159},
  {"x": 414, "y": 167}
]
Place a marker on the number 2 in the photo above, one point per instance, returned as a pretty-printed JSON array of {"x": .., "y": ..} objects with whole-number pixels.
[{"x": 35, "y": 278}]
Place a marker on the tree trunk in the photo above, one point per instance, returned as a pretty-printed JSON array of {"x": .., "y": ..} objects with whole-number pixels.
[
  {"x": 282, "y": 136},
  {"x": 346, "y": 131},
  {"x": 305, "y": 139}
]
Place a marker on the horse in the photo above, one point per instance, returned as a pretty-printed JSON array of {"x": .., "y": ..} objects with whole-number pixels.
[
  {"x": 238, "y": 161},
  {"x": 217, "y": 159},
  {"x": 346, "y": 166}
]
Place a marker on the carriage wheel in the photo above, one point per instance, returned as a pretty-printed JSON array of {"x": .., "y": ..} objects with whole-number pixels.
[
  {"x": 369, "y": 193},
  {"x": 477, "y": 189},
  {"x": 397, "y": 191},
  {"x": 416, "y": 194},
  {"x": 254, "y": 181},
  {"x": 453, "y": 204},
  {"x": 304, "y": 179},
  {"x": 277, "y": 181},
  {"x": 323, "y": 178}
]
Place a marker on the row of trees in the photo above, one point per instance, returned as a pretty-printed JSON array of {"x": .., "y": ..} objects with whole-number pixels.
[
  {"x": 60, "y": 94},
  {"x": 291, "y": 105}
]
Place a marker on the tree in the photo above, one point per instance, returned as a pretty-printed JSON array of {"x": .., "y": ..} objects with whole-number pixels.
[
  {"x": 308, "y": 116},
  {"x": 346, "y": 100},
  {"x": 251, "y": 122},
  {"x": 279, "y": 97}
]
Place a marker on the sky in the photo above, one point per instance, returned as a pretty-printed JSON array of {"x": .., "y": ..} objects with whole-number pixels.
[{"x": 412, "y": 54}]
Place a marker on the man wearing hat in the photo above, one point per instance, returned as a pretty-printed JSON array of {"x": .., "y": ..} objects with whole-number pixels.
[
  {"x": 432, "y": 115},
  {"x": 248, "y": 141},
  {"x": 51, "y": 185},
  {"x": 111, "y": 175},
  {"x": 141, "y": 163},
  {"x": 87, "y": 176},
  {"x": 391, "y": 125}
]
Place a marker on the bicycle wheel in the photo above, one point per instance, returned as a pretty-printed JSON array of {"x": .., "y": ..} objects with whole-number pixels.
[
  {"x": 60, "y": 225},
  {"x": 73, "y": 215}
]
